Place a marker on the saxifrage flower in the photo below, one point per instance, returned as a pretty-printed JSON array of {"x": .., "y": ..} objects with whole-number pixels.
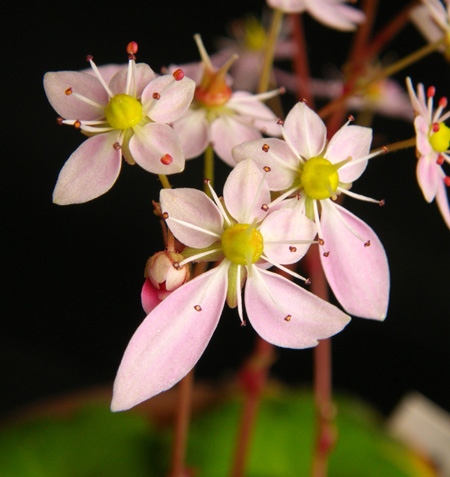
[
  {"x": 246, "y": 239},
  {"x": 126, "y": 117},
  {"x": 318, "y": 171}
]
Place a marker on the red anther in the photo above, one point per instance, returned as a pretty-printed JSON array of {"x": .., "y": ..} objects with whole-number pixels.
[
  {"x": 321, "y": 241},
  {"x": 206, "y": 181},
  {"x": 265, "y": 148},
  {"x": 440, "y": 160},
  {"x": 178, "y": 74},
  {"x": 117, "y": 146},
  {"x": 443, "y": 102},
  {"x": 176, "y": 265},
  {"x": 282, "y": 90},
  {"x": 431, "y": 91},
  {"x": 89, "y": 58},
  {"x": 298, "y": 196},
  {"x": 243, "y": 323},
  {"x": 308, "y": 281},
  {"x": 132, "y": 48},
  {"x": 292, "y": 249},
  {"x": 68, "y": 91},
  {"x": 165, "y": 215},
  {"x": 280, "y": 122},
  {"x": 77, "y": 124},
  {"x": 166, "y": 159},
  {"x": 435, "y": 127},
  {"x": 197, "y": 308},
  {"x": 381, "y": 203},
  {"x": 60, "y": 121},
  {"x": 267, "y": 169},
  {"x": 287, "y": 318},
  {"x": 385, "y": 149},
  {"x": 447, "y": 181},
  {"x": 156, "y": 95},
  {"x": 351, "y": 117},
  {"x": 367, "y": 244},
  {"x": 265, "y": 207},
  {"x": 326, "y": 254}
]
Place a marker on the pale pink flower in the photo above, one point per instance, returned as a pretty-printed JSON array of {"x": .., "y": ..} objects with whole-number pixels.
[
  {"x": 247, "y": 240},
  {"x": 317, "y": 171},
  {"x": 128, "y": 115},
  {"x": 432, "y": 146},
  {"x": 219, "y": 116},
  {"x": 333, "y": 13}
]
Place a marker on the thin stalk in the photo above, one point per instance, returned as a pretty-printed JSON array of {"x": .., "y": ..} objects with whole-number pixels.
[
  {"x": 208, "y": 169},
  {"x": 397, "y": 146},
  {"x": 164, "y": 181}
]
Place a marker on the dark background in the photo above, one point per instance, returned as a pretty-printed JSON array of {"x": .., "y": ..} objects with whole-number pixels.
[{"x": 72, "y": 275}]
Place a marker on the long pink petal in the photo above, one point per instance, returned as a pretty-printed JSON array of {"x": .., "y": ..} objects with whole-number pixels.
[
  {"x": 442, "y": 202},
  {"x": 174, "y": 98},
  {"x": 150, "y": 144},
  {"x": 334, "y": 14},
  {"x": 357, "y": 274},
  {"x": 245, "y": 193},
  {"x": 90, "y": 171},
  {"x": 305, "y": 131},
  {"x": 193, "y": 130},
  {"x": 69, "y": 106},
  {"x": 427, "y": 173},
  {"x": 149, "y": 296},
  {"x": 195, "y": 209},
  {"x": 170, "y": 341},
  {"x": 286, "y": 315},
  {"x": 288, "y": 6}
]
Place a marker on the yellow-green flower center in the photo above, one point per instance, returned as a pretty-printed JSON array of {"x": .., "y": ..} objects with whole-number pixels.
[
  {"x": 242, "y": 244},
  {"x": 319, "y": 178},
  {"x": 440, "y": 140},
  {"x": 123, "y": 111},
  {"x": 254, "y": 34}
]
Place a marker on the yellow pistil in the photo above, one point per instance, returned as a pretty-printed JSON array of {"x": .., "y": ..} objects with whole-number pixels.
[
  {"x": 319, "y": 178},
  {"x": 123, "y": 111},
  {"x": 242, "y": 244},
  {"x": 440, "y": 140}
]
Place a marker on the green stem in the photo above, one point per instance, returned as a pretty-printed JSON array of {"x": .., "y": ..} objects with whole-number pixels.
[
  {"x": 208, "y": 169},
  {"x": 397, "y": 146},
  {"x": 164, "y": 181}
]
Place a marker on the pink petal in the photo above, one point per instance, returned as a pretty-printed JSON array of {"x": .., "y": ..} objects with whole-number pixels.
[
  {"x": 144, "y": 74},
  {"x": 305, "y": 131},
  {"x": 68, "y": 106},
  {"x": 195, "y": 208},
  {"x": 279, "y": 157},
  {"x": 422, "y": 140},
  {"x": 170, "y": 341},
  {"x": 193, "y": 130},
  {"x": 288, "y": 6},
  {"x": 90, "y": 171},
  {"x": 350, "y": 141},
  {"x": 335, "y": 14},
  {"x": 245, "y": 194},
  {"x": 357, "y": 274},
  {"x": 284, "y": 225},
  {"x": 286, "y": 315},
  {"x": 227, "y": 131},
  {"x": 149, "y": 296},
  {"x": 174, "y": 98},
  {"x": 442, "y": 202},
  {"x": 427, "y": 173},
  {"x": 106, "y": 71},
  {"x": 150, "y": 144}
]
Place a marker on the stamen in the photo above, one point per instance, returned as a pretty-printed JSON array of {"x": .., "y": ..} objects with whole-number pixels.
[
  {"x": 267, "y": 169},
  {"x": 166, "y": 159},
  {"x": 285, "y": 269},
  {"x": 447, "y": 181},
  {"x": 367, "y": 244},
  {"x": 178, "y": 74},
  {"x": 431, "y": 91},
  {"x": 156, "y": 96},
  {"x": 287, "y": 318},
  {"x": 373, "y": 154},
  {"x": 197, "y": 308},
  {"x": 265, "y": 148},
  {"x": 435, "y": 127},
  {"x": 192, "y": 226},
  {"x": 292, "y": 249},
  {"x": 326, "y": 254},
  {"x": 359, "y": 196},
  {"x": 351, "y": 118},
  {"x": 217, "y": 202},
  {"x": 77, "y": 124},
  {"x": 197, "y": 256},
  {"x": 165, "y": 215},
  {"x": 239, "y": 293},
  {"x": 443, "y": 102},
  {"x": 68, "y": 91},
  {"x": 440, "y": 160},
  {"x": 265, "y": 207},
  {"x": 132, "y": 49},
  {"x": 280, "y": 122},
  {"x": 117, "y": 146},
  {"x": 60, "y": 121},
  {"x": 203, "y": 53},
  {"x": 99, "y": 77}
]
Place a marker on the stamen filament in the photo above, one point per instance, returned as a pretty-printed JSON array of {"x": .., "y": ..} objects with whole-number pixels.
[
  {"x": 88, "y": 101},
  {"x": 358, "y": 196},
  {"x": 218, "y": 203},
  {"x": 285, "y": 269},
  {"x": 195, "y": 227},
  {"x": 199, "y": 255},
  {"x": 239, "y": 293},
  {"x": 100, "y": 78}
]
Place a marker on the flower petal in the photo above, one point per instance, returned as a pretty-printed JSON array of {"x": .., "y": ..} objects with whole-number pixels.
[
  {"x": 149, "y": 296},
  {"x": 427, "y": 173},
  {"x": 288, "y": 6},
  {"x": 174, "y": 98},
  {"x": 442, "y": 202},
  {"x": 196, "y": 209},
  {"x": 144, "y": 74},
  {"x": 305, "y": 131},
  {"x": 357, "y": 274},
  {"x": 151, "y": 142},
  {"x": 244, "y": 192},
  {"x": 334, "y": 14},
  {"x": 90, "y": 171},
  {"x": 170, "y": 341},
  {"x": 286, "y": 315},
  {"x": 69, "y": 106},
  {"x": 193, "y": 130}
]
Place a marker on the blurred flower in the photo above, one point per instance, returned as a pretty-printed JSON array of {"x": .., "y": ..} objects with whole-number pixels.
[
  {"x": 247, "y": 240},
  {"x": 304, "y": 163},
  {"x": 332, "y": 13},
  {"x": 432, "y": 146},
  {"x": 219, "y": 116},
  {"x": 126, "y": 116}
]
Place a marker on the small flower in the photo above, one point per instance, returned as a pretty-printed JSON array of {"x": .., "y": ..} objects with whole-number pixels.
[
  {"x": 247, "y": 240},
  {"x": 219, "y": 116},
  {"x": 432, "y": 19},
  {"x": 432, "y": 146},
  {"x": 332, "y": 13},
  {"x": 304, "y": 163},
  {"x": 127, "y": 116}
]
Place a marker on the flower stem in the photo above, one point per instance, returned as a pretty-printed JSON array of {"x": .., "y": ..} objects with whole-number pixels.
[
  {"x": 208, "y": 169},
  {"x": 277, "y": 17},
  {"x": 164, "y": 181},
  {"x": 397, "y": 146}
]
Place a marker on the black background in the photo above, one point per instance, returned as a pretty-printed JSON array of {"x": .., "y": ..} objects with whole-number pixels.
[{"x": 72, "y": 275}]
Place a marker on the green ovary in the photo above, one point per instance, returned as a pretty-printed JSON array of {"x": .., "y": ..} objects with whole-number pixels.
[
  {"x": 242, "y": 244},
  {"x": 123, "y": 111},
  {"x": 319, "y": 178},
  {"x": 440, "y": 140}
]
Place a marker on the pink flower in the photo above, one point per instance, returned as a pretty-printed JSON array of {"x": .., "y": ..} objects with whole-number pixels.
[
  {"x": 219, "y": 116},
  {"x": 432, "y": 146},
  {"x": 332, "y": 13},
  {"x": 355, "y": 262},
  {"x": 126, "y": 116},
  {"x": 247, "y": 240}
]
